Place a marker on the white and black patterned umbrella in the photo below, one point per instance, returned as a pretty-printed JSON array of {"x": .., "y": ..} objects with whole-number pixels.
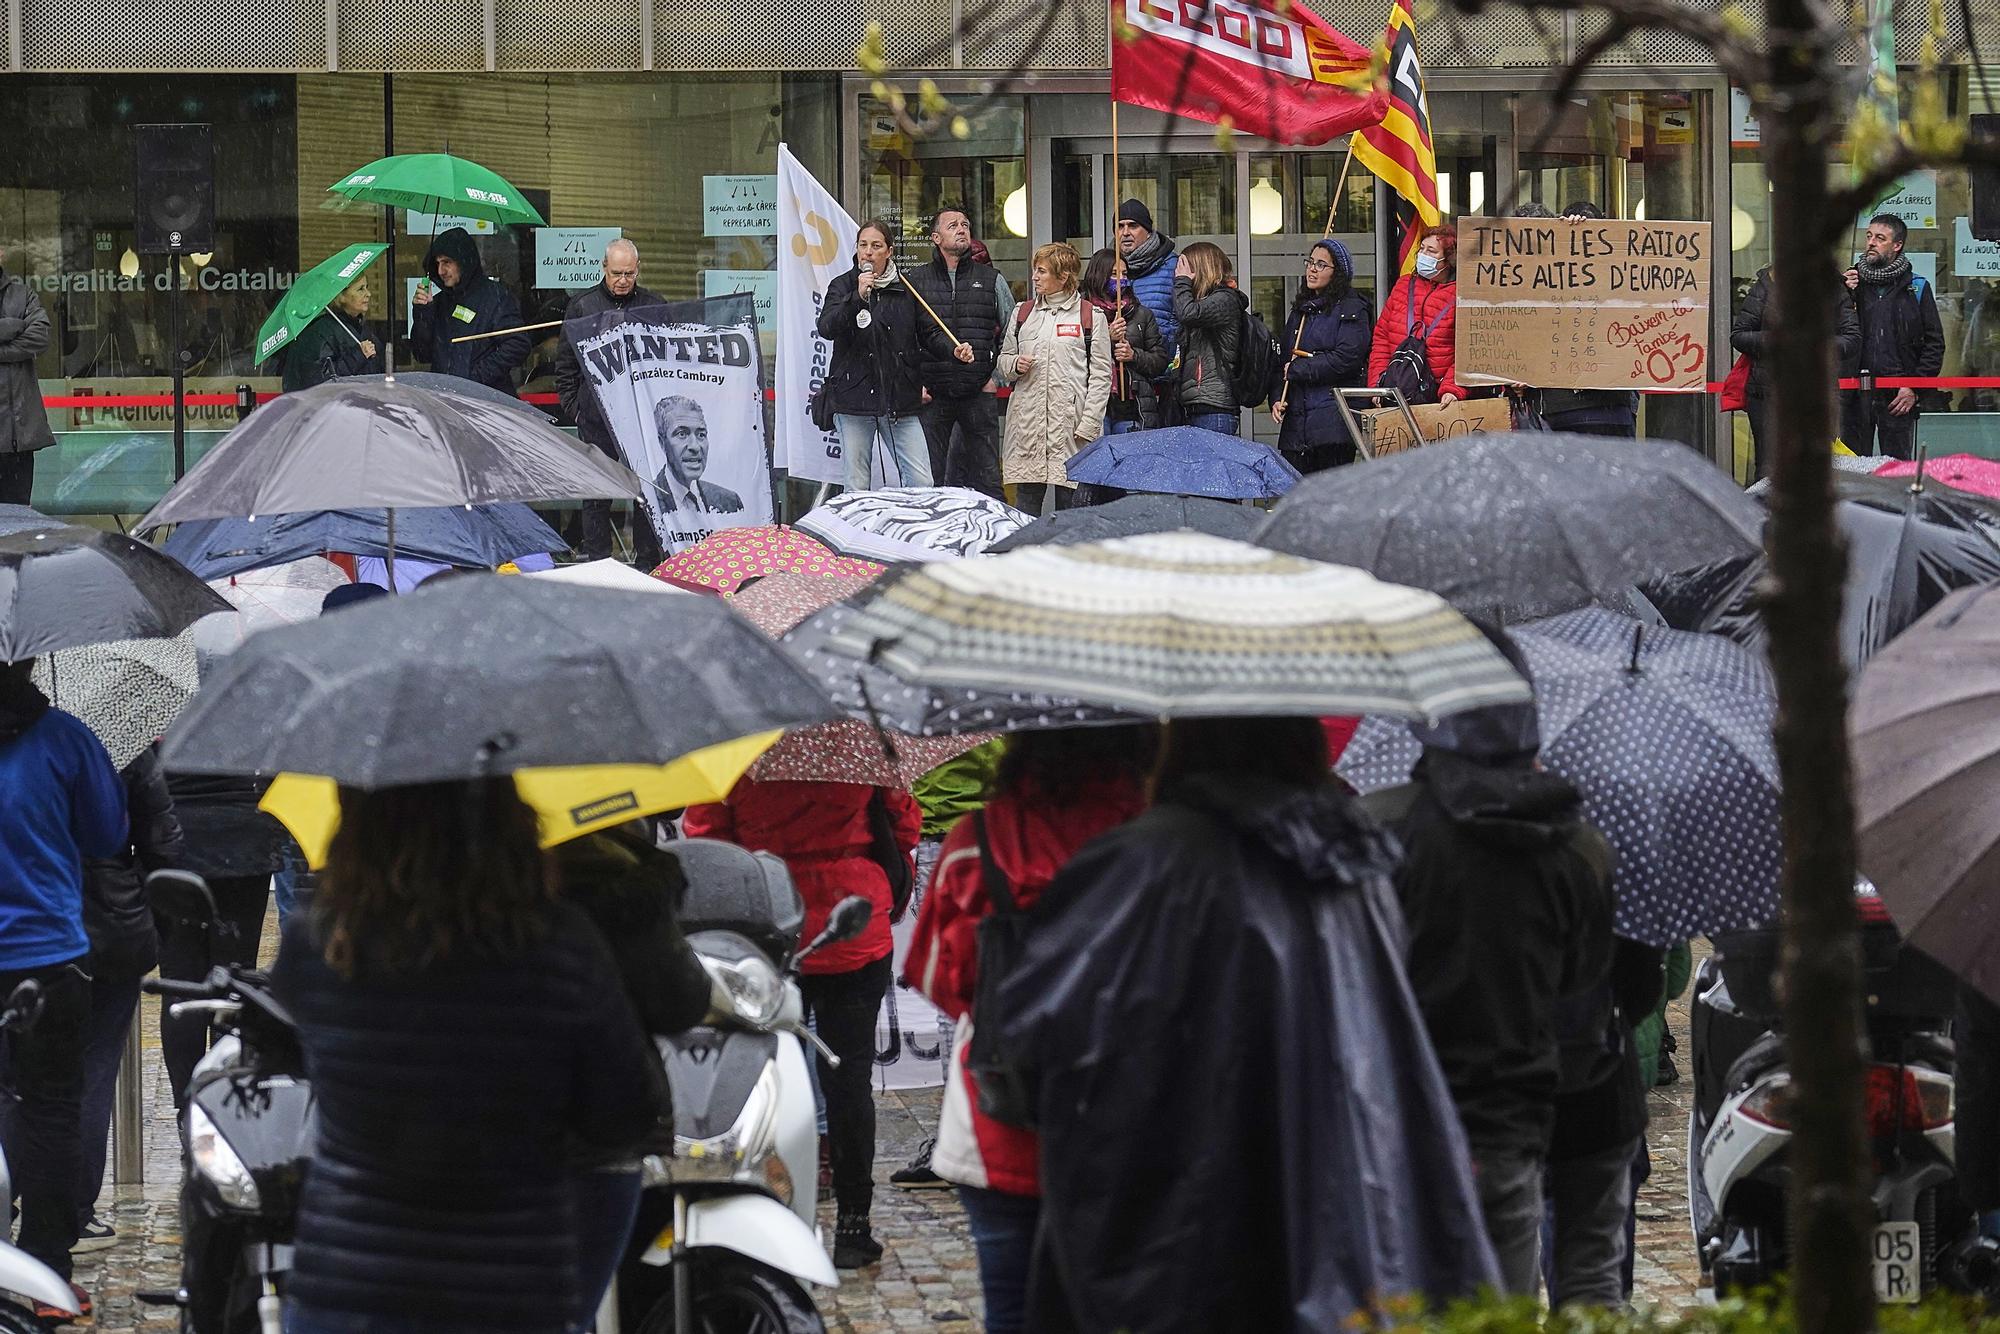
[
  {"x": 128, "y": 691},
  {"x": 1667, "y": 735},
  {"x": 905, "y": 523}
]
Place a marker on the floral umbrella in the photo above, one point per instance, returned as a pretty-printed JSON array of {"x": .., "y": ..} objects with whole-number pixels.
[
  {"x": 722, "y": 561},
  {"x": 850, "y": 751}
]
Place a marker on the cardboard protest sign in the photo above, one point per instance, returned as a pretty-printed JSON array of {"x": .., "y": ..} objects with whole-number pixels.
[
  {"x": 1583, "y": 304},
  {"x": 682, "y": 386},
  {"x": 1388, "y": 432}
]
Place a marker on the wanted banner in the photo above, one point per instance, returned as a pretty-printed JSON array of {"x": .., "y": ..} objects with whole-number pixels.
[
  {"x": 1584, "y": 304},
  {"x": 682, "y": 386}
]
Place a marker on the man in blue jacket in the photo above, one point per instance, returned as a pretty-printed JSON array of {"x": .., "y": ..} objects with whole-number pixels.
[
  {"x": 1149, "y": 271},
  {"x": 60, "y": 801},
  {"x": 466, "y": 301}
]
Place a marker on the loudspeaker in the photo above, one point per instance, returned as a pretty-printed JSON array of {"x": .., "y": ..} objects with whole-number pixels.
[
  {"x": 173, "y": 189},
  {"x": 1985, "y": 222}
]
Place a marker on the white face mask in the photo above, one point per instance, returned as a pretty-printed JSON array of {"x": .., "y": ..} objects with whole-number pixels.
[{"x": 1428, "y": 265}]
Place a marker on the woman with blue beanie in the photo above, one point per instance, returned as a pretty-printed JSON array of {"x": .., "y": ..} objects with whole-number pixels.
[{"x": 1327, "y": 337}]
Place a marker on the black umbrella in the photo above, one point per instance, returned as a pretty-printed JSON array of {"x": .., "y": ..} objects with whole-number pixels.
[
  {"x": 64, "y": 587},
  {"x": 1134, "y": 515},
  {"x": 21, "y": 518},
  {"x": 385, "y": 445},
  {"x": 1519, "y": 524},
  {"x": 491, "y": 674},
  {"x": 450, "y": 384}
]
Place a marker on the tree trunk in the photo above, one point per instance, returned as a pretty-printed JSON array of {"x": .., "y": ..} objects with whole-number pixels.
[{"x": 1831, "y": 1218}]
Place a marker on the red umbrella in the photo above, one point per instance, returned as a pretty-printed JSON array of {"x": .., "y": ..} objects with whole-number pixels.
[
  {"x": 843, "y": 752},
  {"x": 1964, "y": 472},
  {"x": 722, "y": 561}
]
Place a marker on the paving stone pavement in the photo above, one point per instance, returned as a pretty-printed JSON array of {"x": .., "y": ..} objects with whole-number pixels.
[{"x": 928, "y": 1278}]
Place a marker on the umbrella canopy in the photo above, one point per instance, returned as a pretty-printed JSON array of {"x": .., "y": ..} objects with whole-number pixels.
[
  {"x": 1518, "y": 525},
  {"x": 912, "y": 523},
  {"x": 723, "y": 560},
  {"x": 1961, "y": 472},
  {"x": 1926, "y": 751},
  {"x": 311, "y": 293},
  {"x": 568, "y": 803},
  {"x": 468, "y": 535},
  {"x": 127, "y": 692},
  {"x": 606, "y": 573},
  {"x": 449, "y": 384},
  {"x": 1173, "y": 625},
  {"x": 21, "y": 518},
  {"x": 1185, "y": 460},
  {"x": 358, "y": 446},
  {"x": 62, "y": 587},
  {"x": 1892, "y": 495},
  {"x": 1667, "y": 736},
  {"x": 280, "y": 594},
  {"x": 1133, "y": 515},
  {"x": 438, "y": 182},
  {"x": 489, "y": 674},
  {"x": 848, "y": 751}
]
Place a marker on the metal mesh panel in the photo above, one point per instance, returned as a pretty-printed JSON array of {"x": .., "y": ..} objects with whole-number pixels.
[
  {"x": 1498, "y": 36},
  {"x": 412, "y": 35},
  {"x": 1653, "y": 48},
  {"x": 568, "y": 35},
  {"x": 81, "y": 35},
  {"x": 1008, "y": 32},
  {"x": 756, "y": 34}
]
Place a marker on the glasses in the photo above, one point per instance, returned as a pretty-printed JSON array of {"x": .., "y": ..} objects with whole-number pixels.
[{"x": 1317, "y": 266}]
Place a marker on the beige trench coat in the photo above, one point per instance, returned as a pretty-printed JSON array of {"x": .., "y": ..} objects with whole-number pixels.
[{"x": 1058, "y": 406}]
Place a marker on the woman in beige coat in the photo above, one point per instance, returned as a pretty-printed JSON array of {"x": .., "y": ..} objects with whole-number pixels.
[{"x": 1057, "y": 355}]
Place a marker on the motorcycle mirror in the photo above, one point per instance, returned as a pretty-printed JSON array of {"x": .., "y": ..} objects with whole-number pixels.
[
  {"x": 849, "y": 918},
  {"x": 181, "y": 895}
]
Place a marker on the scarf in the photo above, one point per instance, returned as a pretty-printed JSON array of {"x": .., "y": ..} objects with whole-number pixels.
[
  {"x": 1144, "y": 255},
  {"x": 888, "y": 275},
  {"x": 1891, "y": 274}
]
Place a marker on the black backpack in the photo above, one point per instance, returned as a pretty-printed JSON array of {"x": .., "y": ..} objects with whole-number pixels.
[
  {"x": 1258, "y": 357},
  {"x": 1006, "y": 1092},
  {"x": 1409, "y": 367}
]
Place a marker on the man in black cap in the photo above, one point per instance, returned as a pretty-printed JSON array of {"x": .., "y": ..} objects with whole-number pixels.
[{"x": 1149, "y": 269}]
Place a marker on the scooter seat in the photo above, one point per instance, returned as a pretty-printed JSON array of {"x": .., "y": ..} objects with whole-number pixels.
[{"x": 1759, "y": 1059}]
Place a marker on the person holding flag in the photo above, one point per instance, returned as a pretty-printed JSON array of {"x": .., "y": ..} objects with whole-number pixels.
[{"x": 1398, "y": 146}]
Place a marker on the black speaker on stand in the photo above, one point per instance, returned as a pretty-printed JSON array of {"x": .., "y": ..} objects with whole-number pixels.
[
  {"x": 173, "y": 197},
  {"x": 1985, "y": 222}
]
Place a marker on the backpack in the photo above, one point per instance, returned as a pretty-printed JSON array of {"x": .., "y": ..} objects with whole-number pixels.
[
  {"x": 1409, "y": 367},
  {"x": 887, "y": 853},
  {"x": 1258, "y": 357},
  {"x": 1005, "y": 1090},
  {"x": 1027, "y": 308}
]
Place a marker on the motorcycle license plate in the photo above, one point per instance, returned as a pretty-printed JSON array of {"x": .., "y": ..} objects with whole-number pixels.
[{"x": 1898, "y": 1263}]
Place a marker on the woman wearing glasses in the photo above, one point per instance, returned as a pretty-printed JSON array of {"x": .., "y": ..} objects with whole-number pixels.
[{"x": 1328, "y": 337}]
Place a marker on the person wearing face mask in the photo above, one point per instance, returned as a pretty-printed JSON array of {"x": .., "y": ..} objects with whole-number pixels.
[
  {"x": 1419, "y": 320},
  {"x": 339, "y": 342},
  {"x": 1328, "y": 337},
  {"x": 1057, "y": 355},
  {"x": 875, "y": 383}
]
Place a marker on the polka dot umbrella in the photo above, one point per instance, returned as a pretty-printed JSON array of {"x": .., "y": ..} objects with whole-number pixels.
[
  {"x": 722, "y": 561},
  {"x": 1667, "y": 735}
]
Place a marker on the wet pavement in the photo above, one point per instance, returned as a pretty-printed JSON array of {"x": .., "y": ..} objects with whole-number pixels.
[{"x": 928, "y": 1277}]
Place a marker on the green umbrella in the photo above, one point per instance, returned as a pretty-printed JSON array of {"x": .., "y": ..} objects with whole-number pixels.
[
  {"x": 313, "y": 293},
  {"x": 438, "y": 182}
]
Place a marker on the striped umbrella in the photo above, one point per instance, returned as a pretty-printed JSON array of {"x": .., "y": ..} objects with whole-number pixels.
[{"x": 1169, "y": 625}]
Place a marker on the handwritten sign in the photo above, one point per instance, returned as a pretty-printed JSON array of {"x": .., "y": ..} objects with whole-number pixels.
[
  {"x": 1913, "y": 199},
  {"x": 739, "y": 205},
  {"x": 761, "y": 284},
  {"x": 1583, "y": 304},
  {"x": 1389, "y": 433},
  {"x": 571, "y": 257},
  {"x": 1973, "y": 258}
]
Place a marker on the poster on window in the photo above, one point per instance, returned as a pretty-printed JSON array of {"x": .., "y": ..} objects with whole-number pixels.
[
  {"x": 1564, "y": 303},
  {"x": 682, "y": 386}
]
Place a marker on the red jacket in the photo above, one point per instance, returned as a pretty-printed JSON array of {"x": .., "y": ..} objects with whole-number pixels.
[
  {"x": 820, "y": 830},
  {"x": 1031, "y": 841},
  {"x": 1436, "y": 301}
]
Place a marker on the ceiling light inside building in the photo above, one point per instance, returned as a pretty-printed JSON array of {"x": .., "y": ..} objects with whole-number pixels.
[
  {"x": 128, "y": 263},
  {"x": 1267, "y": 208},
  {"x": 1014, "y": 211}
]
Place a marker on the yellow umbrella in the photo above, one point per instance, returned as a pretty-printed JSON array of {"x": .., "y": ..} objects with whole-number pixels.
[{"x": 571, "y": 802}]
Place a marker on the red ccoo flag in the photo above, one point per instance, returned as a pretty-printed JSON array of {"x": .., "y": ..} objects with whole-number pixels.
[{"x": 1276, "y": 70}]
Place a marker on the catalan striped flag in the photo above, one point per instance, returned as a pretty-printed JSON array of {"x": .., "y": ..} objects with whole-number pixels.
[{"x": 1399, "y": 149}]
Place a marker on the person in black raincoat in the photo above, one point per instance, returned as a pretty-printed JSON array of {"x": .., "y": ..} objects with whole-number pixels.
[
  {"x": 339, "y": 342},
  {"x": 1329, "y": 334},
  {"x": 466, "y": 301},
  {"x": 1243, "y": 1125}
]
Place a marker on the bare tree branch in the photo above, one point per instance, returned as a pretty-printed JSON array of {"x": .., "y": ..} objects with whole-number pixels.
[{"x": 1843, "y": 205}]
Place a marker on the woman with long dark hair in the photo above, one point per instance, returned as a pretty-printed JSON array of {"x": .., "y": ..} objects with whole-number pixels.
[
  {"x": 1327, "y": 340},
  {"x": 463, "y": 1030},
  {"x": 1138, "y": 352}
]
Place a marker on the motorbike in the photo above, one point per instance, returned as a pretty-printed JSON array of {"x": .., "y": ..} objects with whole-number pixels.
[
  {"x": 727, "y": 1236},
  {"x": 1739, "y": 1127},
  {"x": 247, "y": 1131},
  {"x": 24, "y": 1280}
]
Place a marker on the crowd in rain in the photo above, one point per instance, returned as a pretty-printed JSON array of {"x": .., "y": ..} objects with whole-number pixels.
[{"x": 1308, "y": 959}]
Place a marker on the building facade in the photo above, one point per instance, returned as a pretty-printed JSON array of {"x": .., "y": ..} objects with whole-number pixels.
[{"x": 662, "y": 118}]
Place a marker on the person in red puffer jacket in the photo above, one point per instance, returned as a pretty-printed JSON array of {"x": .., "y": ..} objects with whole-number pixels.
[
  {"x": 1426, "y": 301},
  {"x": 1055, "y": 791},
  {"x": 821, "y": 831}
]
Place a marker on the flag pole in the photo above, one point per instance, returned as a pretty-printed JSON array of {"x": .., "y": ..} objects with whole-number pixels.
[
  {"x": 1332, "y": 208},
  {"x": 1117, "y": 255}
]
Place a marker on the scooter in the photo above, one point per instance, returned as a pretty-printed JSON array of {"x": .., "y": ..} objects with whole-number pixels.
[
  {"x": 24, "y": 1280},
  {"x": 727, "y": 1236},
  {"x": 247, "y": 1130},
  {"x": 1739, "y": 1127}
]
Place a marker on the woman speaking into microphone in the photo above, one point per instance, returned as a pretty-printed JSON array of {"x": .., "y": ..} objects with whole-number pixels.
[{"x": 880, "y": 334}]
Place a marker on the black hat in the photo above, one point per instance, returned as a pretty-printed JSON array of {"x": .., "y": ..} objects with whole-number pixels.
[{"x": 1134, "y": 211}]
